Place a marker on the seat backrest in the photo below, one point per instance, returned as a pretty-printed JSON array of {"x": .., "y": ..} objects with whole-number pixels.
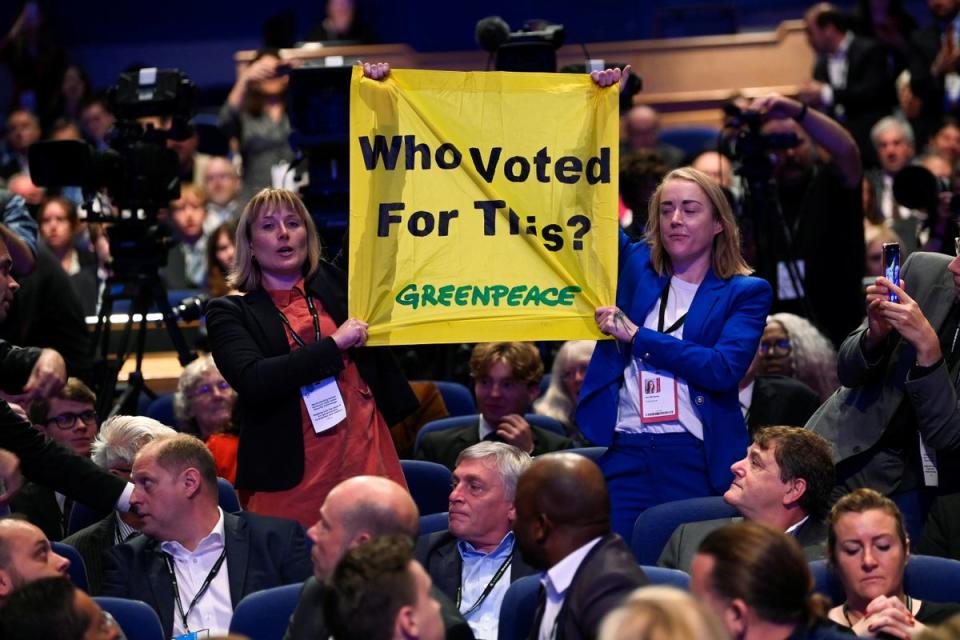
[
  {"x": 227, "y": 496},
  {"x": 456, "y": 397},
  {"x": 544, "y": 422},
  {"x": 593, "y": 453},
  {"x": 429, "y": 484},
  {"x": 670, "y": 577},
  {"x": 78, "y": 569},
  {"x": 82, "y": 516},
  {"x": 692, "y": 140},
  {"x": 433, "y": 522},
  {"x": 264, "y": 615},
  {"x": 519, "y": 608},
  {"x": 653, "y": 527},
  {"x": 161, "y": 410},
  {"x": 137, "y": 619},
  {"x": 926, "y": 578}
]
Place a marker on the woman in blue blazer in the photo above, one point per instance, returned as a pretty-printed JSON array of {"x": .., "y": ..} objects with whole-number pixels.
[{"x": 663, "y": 394}]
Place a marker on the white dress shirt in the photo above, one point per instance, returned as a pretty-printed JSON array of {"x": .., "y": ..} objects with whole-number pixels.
[
  {"x": 555, "y": 582},
  {"x": 214, "y": 609}
]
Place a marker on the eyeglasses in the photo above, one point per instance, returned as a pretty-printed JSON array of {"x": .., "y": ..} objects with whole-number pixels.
[
  {"x": 569, "y": 374},
  {"x": 775, "y": 348},
  {"x": 68, "y": 420},
  {"x": 206, "y": 389}
]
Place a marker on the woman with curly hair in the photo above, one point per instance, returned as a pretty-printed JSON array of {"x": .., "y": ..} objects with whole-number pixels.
[{"x": 793, "y": 347}]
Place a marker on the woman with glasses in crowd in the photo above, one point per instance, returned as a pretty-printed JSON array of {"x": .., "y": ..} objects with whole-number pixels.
[
  {"x": 559, "y": 401},
  {"x": 791, "y": 346}
]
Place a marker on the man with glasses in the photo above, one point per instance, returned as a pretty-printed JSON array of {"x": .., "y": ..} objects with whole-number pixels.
[
  {"x": 68, "y": 417},
  {"x": 895, "y": 423}
]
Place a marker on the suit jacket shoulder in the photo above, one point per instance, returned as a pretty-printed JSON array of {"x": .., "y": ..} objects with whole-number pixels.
[
  {"x": 444, "y": 446},
  {"x": 686, "y": 539},
  {"x": 91, "y": 543},
  {"x": 39, "y": 505}
]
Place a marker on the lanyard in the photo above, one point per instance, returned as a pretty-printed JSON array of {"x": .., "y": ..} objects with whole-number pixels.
[
  {"x": 203, "y": 588},
  {"x": 486, "y": 591},
  {"x": 316, "y": 324},
  {"x": 663, "y": 313}
]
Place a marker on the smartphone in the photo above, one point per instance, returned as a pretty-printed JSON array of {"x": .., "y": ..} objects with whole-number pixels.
[{"x": 891, "y": 266}]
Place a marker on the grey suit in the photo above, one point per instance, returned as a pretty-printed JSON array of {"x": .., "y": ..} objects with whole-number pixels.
[
  {"x": 683, "y": 544},
  {"x": 855, "y": 418},
  {"x": 92, "y": 542}
]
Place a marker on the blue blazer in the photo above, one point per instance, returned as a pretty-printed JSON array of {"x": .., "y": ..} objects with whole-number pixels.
[
  {"x": 720, "y": 338},
  {"x": 262, "y": 552}
]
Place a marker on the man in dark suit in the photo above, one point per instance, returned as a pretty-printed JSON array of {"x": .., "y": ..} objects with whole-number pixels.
[
  {"x": 506, "y": 380},
  {"x": 941, "y": 533},
  {"x": 195, "y": 562},
  {"x": 563, "y": 528},
  {"x": 355, "y": 511},
  {"x": 476, "y": 559},
  {"x": 851, "y": 80},
  {"x": 114, "y": 448},
  {"x": 895, "y": 423},
  {"x": 784, "y": 481},
  {"x": 774, "y": 400}
]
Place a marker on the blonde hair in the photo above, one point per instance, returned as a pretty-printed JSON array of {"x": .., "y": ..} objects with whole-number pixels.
[
  {"x": 661, "y": 613},
  {"x": 555, "y": 403},
  {"x": 246, "y": 275},
  {"x": 726, "y": 259}
]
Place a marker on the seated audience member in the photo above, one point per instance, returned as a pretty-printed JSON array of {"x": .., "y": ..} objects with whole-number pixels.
[
  {"x": 563, "y": 529},
  {"x": 221, "y": 247},
  {"x": 54, "y": 609},
  {"x": 204, "y": 407},
  {"x": 941, "y": 533},
  {"x": 221, "y": 187},
  {"x": 68, "y": 417},
  {"x": 506, "y": 379},
  {"x": 379, "y": 592},
  {"x": 357, "y": 510},
  {"x": 25, "y": 556},
  {"x": 893, "y": 141},
  {"x": 340, "y": 23},
  {"x": 946, "y": 141},
  {"x": 771, "y": 400},
  {"x": 62, "y": 129},
  {"x": 758, "y": 583},
  {"x": 640, "y": 174},
  {"x": 96, "y": 120},
  {"x": 792, "y": 346},
  {"x": 196, "y": 562},
  {"x": 868, "y": 550},
  {"x": 717, "y": 166},
  {"x": 23, "y": 129},
  {"x": 783, "y": 482},
  {"x": 642, "y": 125},
  {"x": 476, "y": 559},
  {"x": 662, "y": 613},
  {"x": 875, "y": 236},
  {"x": 938, "y": 227},
  {"x": 187, "y": 261},
  {"x": 114, "y": 450},
  {"x": 59, "y": 225},
  {"x": 75, "y": 87},
  {"x": 898, "y": 390},
  {"x": 559, "y": 401}
]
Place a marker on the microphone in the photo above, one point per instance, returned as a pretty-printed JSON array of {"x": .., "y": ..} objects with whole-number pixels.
[{"x": 492, "y": 32}]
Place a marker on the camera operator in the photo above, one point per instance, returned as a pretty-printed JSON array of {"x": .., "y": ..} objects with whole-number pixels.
[{"x": 822, "y": 210}]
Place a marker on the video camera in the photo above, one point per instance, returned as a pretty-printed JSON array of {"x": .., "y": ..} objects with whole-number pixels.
[{"x": 750, "y": 146}]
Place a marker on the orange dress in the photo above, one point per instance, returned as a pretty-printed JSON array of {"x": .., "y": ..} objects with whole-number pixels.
[
  {"x": 223, "y": 446},
  {"x": 359, "y": 445}
]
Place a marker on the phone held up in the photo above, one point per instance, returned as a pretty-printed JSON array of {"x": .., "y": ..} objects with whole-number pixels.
[{"x": 891, "y": 266}]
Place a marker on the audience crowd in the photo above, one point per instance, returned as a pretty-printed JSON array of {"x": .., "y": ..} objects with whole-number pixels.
[{"x": 763, "y": 365}]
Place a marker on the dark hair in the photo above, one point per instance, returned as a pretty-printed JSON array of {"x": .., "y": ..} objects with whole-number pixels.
[
  {"x": 522, "y": 357},
  {"x": 860, "y": 501},
  {"x": 640, "y": 174},
  {"x": 834, "y": 17},
  {"x": 367, "y": 589},
  {"x": 43, "y": 608},
  {"x": 74, "y": 390},
  {"x": 216, "y": 275},
  {"x": 766, "y": 569},
  {"x": 802, "y": 454}
]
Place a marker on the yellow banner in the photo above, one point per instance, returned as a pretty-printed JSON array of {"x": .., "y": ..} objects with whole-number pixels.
[{"x": 483, "y": 206}]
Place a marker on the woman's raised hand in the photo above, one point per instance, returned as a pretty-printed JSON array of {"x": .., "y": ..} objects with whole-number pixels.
[{"x": 352, "y": 333}]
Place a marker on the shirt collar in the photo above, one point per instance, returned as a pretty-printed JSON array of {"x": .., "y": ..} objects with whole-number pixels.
[
  {"x": 843, "y": 46},
  {"x": 560, "y": 575},
  {"x": 793, "y": 529},
  {"x": 212, "y": 541},
  {"x": 485, "y": 428},
  {"x": 503, "y": 549},
  {"x": 123, "y": 528}
]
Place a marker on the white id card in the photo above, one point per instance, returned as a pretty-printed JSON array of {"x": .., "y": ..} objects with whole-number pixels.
[
  {"x": 785, "y": 288},
  {"x": 324, "y": 404},
  {"x": 928, "y": 460},
  {"x": 658, "y": 397}
]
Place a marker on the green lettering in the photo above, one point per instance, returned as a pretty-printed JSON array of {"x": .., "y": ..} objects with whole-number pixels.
[
  {"x": 549, "y": 296},
  {"x": 446, "y": 292},
  {"x": 566, "y": 295},
  {"x": 498, "y": 291},
  {"x": 516, "y": 295},
  {"x": 427, "y": 292},
  {"x": 481, "y": 296},
  {"x": 408, "y": 296},
  {"x": 462, "y": 297},
  {"x": 533, "y": 296}
]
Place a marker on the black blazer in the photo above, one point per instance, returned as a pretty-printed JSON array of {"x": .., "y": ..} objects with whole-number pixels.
[
  {"x": 605, "y": 577},
  {"x": 250, "y": 347},
  {"x": 262, "y": 552},
  {"x": 91, "y": 543},
  {"x": 308, "y": 622},
  {"x": 444, "y": 446},
  {"x": 780, "y": 401},
  {"x": 941, "y": 533},
  {"x": 438, "y": 554},
  {"x": 39, "y": 505}
]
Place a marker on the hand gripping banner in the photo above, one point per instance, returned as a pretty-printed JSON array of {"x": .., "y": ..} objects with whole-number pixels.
[{"x": 483, "y": 206}]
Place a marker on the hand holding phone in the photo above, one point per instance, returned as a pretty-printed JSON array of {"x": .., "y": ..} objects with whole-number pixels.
[{"x": 891, "y": 266}]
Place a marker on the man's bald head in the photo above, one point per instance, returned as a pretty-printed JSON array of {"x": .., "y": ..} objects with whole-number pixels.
[
  {"x": 562, "y": 503},
  {"x": 356, "y": 510},
  {"x": 642, "y": 127}
]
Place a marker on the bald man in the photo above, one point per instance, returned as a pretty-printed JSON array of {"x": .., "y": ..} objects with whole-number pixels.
[
  {"x": 563, "y": 528},
  {"x": 642, "y": 128},
  {"x": 355, "y": 511}
]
